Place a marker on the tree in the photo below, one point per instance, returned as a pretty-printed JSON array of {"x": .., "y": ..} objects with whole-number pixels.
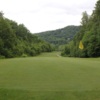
[
  {"x": 84, "y": 19},
  {"x": 17, "y": 40},
  {"x": 89, "y": 35},
  {"x": 1, "y": 14}
]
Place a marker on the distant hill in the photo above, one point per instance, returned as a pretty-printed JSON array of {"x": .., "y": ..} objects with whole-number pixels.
[{"x": 59, "y": 36}]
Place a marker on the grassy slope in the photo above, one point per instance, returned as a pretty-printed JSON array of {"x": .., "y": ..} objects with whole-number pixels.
[{"x": 50, "y": 78}]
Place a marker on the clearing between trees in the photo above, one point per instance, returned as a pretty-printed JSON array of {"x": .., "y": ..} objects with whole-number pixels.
[{"x": 48, "y": 77}]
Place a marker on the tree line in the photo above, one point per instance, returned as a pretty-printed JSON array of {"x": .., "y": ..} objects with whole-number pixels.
[
  {"x": 16, "y": 40},
  {"x": 89, "y": 36}
]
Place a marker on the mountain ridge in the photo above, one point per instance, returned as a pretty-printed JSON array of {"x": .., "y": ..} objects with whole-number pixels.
[{"x": 59, "y": 36}]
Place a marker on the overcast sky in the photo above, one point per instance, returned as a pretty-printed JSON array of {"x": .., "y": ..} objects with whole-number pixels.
[{"x": 43, "y": 15}]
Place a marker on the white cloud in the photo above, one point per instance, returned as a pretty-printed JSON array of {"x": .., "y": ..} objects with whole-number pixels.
[{"x": 42, "y": 15}]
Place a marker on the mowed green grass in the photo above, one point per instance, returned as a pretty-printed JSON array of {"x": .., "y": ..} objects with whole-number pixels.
[{"x": 50, "y": 77}]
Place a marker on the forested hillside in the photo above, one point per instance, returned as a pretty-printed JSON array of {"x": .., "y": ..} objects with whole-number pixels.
[
  {"x": 60, "y": 36},
  {"x": 87, "y": 42},
  {"x": 16, "y": 40}
]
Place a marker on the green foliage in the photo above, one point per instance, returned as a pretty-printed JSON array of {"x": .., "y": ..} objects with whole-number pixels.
[
  {"x": 85, "y": 18},
  {"x": 89, "y": 35},
  {"x": 16, "y": 40},
  {"x": 60, "y": 36},
  {"x": 7, "y": 38}
]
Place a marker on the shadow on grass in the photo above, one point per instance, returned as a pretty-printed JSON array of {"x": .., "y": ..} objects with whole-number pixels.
[{"x": 48, "y": 95}]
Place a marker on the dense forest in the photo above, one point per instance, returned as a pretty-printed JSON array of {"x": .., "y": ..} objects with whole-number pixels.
[
  {"x": 59, "y": 36},
  {"x": 16, "y": 40},
  {"x": 86, "y": 42}
]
